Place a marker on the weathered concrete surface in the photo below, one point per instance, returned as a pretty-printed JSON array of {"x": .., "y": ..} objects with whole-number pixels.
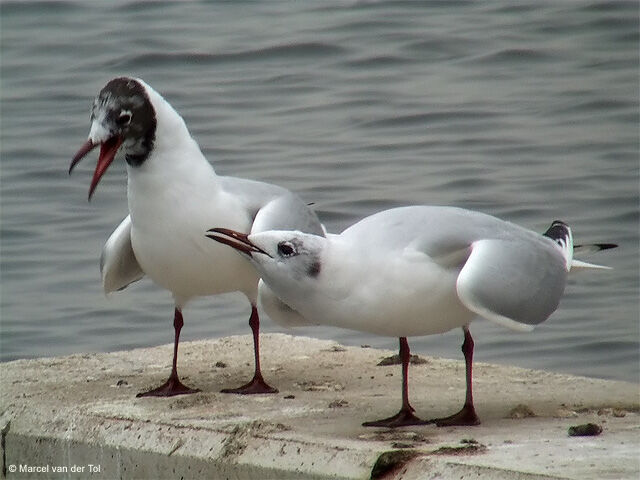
[{"x": 81, "y": 410}]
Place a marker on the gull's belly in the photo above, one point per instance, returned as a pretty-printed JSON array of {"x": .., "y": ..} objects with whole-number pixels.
[
  {"x": 412, "y": 303},
  {"x": 421, "y": 314},
  {"x": 174, "y": 252},
  {"x": 190, "y": 271}
]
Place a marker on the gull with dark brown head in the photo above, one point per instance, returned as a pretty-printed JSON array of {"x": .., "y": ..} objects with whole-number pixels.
[{"x": 174, "y": 194}]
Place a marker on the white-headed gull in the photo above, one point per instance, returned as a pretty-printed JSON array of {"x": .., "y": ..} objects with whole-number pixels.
[
  {"x": 174, "y": 195},
  {"x": 415, "y": 270}
]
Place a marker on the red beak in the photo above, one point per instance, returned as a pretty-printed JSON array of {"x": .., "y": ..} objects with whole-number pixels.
[
  {"x": 108, "y": 151},
  {"x": 237, "y": 240}
]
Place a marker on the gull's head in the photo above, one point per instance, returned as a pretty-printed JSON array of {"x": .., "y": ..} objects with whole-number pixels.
[
  {"x": 281, "y": 257},
  {"x": 122, "y": 116}
]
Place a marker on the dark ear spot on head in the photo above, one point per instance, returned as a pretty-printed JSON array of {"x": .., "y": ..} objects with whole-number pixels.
[{"x": 314, "y": 269}]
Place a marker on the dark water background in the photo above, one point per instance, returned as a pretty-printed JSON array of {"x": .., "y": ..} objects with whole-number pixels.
[{"x": 524, "y": 110}]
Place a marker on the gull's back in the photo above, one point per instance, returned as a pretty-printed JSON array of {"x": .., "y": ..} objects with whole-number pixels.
[
  {"x": 433, "y": 229},
  {"x": 273, "y": 207}
]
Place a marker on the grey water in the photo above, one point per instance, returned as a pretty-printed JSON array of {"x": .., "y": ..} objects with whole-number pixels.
[{"x": 527, "y": 110}]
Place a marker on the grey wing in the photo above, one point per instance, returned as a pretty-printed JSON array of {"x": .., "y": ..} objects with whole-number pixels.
[
  {"x": 273, "y": 207},
  {"x": 516, "y": 284},
  {"x": 118, "y": 264},
  {"x": 287, "y": 212}
]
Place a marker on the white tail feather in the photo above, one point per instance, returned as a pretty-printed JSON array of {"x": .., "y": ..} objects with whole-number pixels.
[{"x": 577, "y": 264}]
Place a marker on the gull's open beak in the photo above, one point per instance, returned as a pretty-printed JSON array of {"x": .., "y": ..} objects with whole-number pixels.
[
  {"x": 237, "y": 240},
  {"x": 108, "y": 150}
]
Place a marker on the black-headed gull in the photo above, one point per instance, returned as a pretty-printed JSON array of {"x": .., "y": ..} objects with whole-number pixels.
[
  {"x": 415, "y": 270},
  {"x": 174, "y": 195}
]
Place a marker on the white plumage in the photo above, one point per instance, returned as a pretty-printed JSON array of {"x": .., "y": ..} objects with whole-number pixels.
[
  {"x": 413, "y": 271},
  {"x": 174, "y": 195}
]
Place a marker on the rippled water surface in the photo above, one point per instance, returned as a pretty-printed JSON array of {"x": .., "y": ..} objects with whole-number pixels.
[{"x": 524, "y": 110}]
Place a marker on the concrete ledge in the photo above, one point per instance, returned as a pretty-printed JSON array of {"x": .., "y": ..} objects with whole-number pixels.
[{"x": 80, "y": 413}]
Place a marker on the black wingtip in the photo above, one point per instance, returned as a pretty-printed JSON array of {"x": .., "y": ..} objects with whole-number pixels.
[
  {"x": 606, "y": 246},
  {"x": 558, "y": 230},
  {"x": 598, "y": 246}
]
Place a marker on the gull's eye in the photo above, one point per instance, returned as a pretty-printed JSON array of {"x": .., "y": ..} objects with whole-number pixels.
[
  {"x": 285, "y": 249},
  {"x": 124, "y": 119}
]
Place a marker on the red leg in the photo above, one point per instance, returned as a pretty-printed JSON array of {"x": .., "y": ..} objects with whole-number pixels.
[
  {"x": 467, "y": 415},
  {"x": 257, "y": 383},
  {"x": 173, "y": 386},
  {"x": 405, "y": 416}
]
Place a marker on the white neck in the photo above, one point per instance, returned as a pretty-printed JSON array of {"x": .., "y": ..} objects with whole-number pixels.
[
  {"x": 173, "y": 142},
  {"x": 175, "y": 165}
]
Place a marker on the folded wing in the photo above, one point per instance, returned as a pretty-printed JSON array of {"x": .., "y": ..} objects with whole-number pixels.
[
  {"x": 512, "y": 283},
  {"x": 118, "y": 264}
]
